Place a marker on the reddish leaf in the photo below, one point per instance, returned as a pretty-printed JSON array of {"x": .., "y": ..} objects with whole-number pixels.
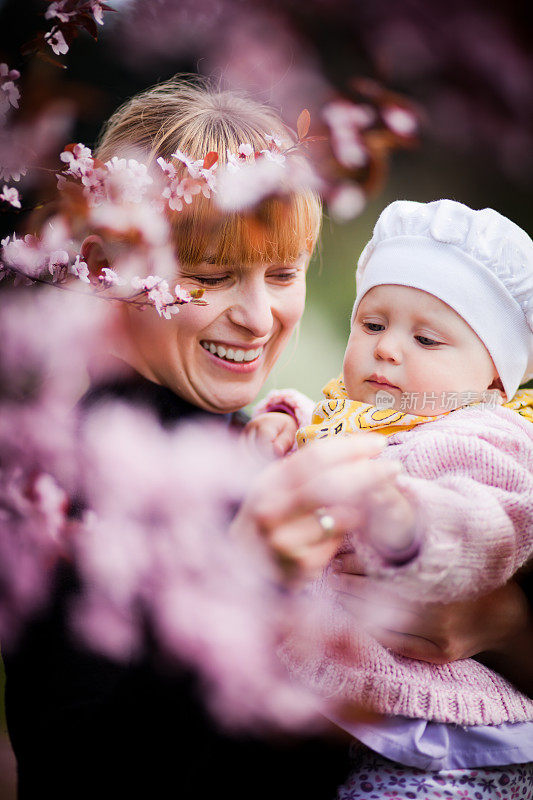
[
  {"x": 50, "y": 59},
  {"x": 303, "y": 124},
  {"x": 87, "y": 21},
  {"x": 34, "y": 45},
  {"x": 316, "y": 139},
  {"x": 210, "y": 159}
]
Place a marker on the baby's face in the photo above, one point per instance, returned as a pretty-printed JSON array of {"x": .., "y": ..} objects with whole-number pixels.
[{"x": 411, "y": 345}]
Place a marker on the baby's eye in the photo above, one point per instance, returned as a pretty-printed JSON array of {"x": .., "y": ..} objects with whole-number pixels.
[
  {"x": 426, "y": 341},
  {"x": 374, "y": 327}
]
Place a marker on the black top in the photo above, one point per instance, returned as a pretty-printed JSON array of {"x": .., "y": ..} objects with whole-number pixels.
[{"x": 84, "y": 726}]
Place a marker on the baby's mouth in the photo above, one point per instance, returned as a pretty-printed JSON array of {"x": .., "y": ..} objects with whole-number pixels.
[
  {"x": 378, "y": 380},
  {"x": 232, "y": 353}
]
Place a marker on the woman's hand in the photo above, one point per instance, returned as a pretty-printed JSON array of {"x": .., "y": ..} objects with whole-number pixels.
[
  {"x": 285, "y": 507},
  {"x": 433, "y": 632}
]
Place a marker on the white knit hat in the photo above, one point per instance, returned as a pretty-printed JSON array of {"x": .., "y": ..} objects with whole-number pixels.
[{"x": 478, "y": 262}]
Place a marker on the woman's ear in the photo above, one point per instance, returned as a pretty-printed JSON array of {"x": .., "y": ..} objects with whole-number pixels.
[{"x": 93, "y": 253}]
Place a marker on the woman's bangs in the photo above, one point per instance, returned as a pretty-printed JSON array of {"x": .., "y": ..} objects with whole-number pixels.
[{"x": 277, "y": 232}]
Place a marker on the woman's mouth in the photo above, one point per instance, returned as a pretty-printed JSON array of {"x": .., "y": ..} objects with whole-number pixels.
[{"x": 235, "y": 355}]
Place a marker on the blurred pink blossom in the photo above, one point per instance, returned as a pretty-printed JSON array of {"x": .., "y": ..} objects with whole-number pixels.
[
  {"x": 58, "y": 264},
  {"x": 10, "y": 195},
  {"x": 32, "y": 519},
  {"x": 97, "y": 11},
  {"x": 155, "y": 549},
  {"x": 346, "y": 201},
  {"x": 9, "y": 93},
  {"x": 243, "y": 185},
  {"x": 400, "y": 120},
  {"x": 127, "y": 180},
  {"x": 345, "y": 121},
  {"x": 57, "y": 9}
]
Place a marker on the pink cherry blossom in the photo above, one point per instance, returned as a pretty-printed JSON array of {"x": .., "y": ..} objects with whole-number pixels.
[
  {"x": 245, "y": 150},
  {"x": 56, "y": 10},
  {"x": 79, "y": 161},
  {"x": 168, "y": 168},
  {"x": 182, "y": 295},
  {"x": 95, "y": 185},
  {"x": 57, "y": 42},
  {"x": 80, "y": 269},
  {"x": 188, "y": 189},
  {"x": 163, "y": 300},
  {"x": 193, "y": 167},
  {"x": 209, "y": 176},
  {"x": 274, "y": 140},
  {"x": 58, "y": 263},
  {"x": 159, "y": 295},
  {"x": 10, "y": 195},
  {"x": 109, "y": 277},
  {"x": 97, "y": 11},
  {"x": 182, "y": 191},
  {"x": 173, "y": 196},
  {"x": 145, "y": 284}
]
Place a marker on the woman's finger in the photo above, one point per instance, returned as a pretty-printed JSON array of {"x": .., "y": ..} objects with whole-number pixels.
[
  {"x": 307, "y": 530},
  {"x": 342, "y": 484},
  {"x": 317, "y": 457}
]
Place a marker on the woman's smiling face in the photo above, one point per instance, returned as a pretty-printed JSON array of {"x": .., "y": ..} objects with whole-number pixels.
[{"x": 218, "y": 356}]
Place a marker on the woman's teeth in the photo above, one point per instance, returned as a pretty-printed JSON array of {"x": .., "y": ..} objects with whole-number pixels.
[{"x": 230, "y": 353}]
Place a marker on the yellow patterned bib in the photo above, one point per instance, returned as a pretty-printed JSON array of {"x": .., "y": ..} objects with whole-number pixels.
[{"x": 338, "y": 415}]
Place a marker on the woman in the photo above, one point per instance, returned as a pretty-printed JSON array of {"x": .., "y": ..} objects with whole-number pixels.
[{"x": 83, "y": 726}]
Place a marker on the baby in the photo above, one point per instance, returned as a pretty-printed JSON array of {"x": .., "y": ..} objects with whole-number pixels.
[{"x": 441, "y": 339}]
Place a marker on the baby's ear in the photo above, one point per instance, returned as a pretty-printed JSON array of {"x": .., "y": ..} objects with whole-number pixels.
[{"x": 93, "y": 253}]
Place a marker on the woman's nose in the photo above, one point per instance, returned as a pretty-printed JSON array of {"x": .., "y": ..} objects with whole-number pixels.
[
  {"x": 387, "y": 347},
  {"x": 252, "y": 309}
]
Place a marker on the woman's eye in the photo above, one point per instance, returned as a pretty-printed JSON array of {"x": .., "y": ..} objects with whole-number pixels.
[
  {"x": 374, "y": 327},
  {"x": 210, "y": 280},
  {"x": 286, "y": 275},
  {"x": 426, "y": 341}
]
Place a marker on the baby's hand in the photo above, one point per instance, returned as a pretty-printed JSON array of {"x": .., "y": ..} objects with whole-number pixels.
[
  {"x": 273, "y": 432},
  {"x": 390, "y": 522}
]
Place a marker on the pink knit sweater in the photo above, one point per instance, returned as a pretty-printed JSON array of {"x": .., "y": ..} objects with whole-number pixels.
[{"x": 470, "y": 477}]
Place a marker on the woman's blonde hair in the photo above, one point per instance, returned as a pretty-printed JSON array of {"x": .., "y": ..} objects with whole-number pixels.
[{"x": 190, "y": 114}]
